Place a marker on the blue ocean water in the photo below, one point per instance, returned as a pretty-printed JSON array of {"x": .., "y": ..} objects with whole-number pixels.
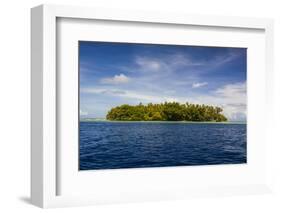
[{"x": 113, "y": 145}]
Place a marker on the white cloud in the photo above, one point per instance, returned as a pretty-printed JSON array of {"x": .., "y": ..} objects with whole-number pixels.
[
  {"x": 235, "y": 96},
  {"x": 117, "y": 79},
  {"x": 184, "y": 60},
  {"x": 231, "y": 97},
  {"x": 102, "y": 91},
  {"x": 83, "y": 112},
  {"x": 197, "y": 85},
  {"x": 168, "y": 63},
  {"x": 122, "y": 93},
  {"x": 147, "y": 64},
  {"x": 238, "y": 89},
  {"x": 172, "y": 62},
  {"x": 140, "y": 96}
]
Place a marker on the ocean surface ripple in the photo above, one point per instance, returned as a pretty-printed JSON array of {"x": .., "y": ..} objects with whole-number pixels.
[{"x": 113, "y": 145}]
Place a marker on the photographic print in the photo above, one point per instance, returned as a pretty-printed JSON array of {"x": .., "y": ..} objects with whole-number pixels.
[{"x": 155, "y": 105}]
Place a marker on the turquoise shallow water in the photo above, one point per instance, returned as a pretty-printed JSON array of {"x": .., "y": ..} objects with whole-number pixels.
[{"x": 113, "y": 145}]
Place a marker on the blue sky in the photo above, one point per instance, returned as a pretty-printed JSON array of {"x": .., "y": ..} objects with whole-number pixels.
[{"x": 112, "y": 74}]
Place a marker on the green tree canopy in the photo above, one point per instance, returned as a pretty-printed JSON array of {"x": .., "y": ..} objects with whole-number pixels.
[{"x": 168, "y": 111}]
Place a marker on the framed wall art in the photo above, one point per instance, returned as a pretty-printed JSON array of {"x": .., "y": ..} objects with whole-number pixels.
[{"x": 130, "y": 106}]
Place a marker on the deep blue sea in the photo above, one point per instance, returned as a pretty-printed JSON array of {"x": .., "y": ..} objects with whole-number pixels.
[{"x": 113, "y": 145}]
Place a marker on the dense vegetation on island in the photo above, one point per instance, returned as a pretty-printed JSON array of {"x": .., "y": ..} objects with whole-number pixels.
[{"x": 168, "y": 111}]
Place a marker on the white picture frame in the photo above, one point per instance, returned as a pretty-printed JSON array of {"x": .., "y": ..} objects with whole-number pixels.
[{"x": 45, "y": 157}]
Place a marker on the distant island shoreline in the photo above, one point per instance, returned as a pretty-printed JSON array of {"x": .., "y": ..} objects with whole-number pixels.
[
  {"x": 167, "y": 111},
  {"x": 175, "y": 122}
]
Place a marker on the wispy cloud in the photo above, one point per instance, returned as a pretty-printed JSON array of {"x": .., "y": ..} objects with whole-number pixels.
[
  {"x": 137, "y": 95},
  {"x": 184, "y": 60},
  {"x": 169, "y": 62},
  {"x": 105, "y": 91},
  {"x": 231, "y": 97},
  {"x": 237, "y": 89},
  {"x": 117, "y": 79},
  {"x": 83, "y": 113},
  {"x": 197, "y": 85},
  {"x": 148, "y": 64},
  {"x": 173, "y": 61}
]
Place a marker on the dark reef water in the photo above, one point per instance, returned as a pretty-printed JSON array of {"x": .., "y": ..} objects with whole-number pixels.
[{"x": 113, "y": 145}]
